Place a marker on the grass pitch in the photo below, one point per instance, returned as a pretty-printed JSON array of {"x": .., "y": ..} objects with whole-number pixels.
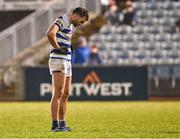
[{"x": 147, "y": 119}]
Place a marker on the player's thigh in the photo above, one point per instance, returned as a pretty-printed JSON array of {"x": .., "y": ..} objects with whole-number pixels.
[{"x": 58, "y": 80}]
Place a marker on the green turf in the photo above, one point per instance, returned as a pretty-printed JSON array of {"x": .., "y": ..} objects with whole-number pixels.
[{"x": 93, "y": 119}]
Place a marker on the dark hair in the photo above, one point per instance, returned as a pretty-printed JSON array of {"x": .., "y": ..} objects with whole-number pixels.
[{"x": 81, "y": 11}]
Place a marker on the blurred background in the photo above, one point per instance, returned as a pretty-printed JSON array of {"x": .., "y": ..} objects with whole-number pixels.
[{"x": 128, "y": 50}]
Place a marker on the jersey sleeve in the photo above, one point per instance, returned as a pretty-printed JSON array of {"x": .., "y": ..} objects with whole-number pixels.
[{"x": 59, "y": 22}]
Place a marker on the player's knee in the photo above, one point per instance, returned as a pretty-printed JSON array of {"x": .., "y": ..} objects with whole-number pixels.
[
  {"x": 58, "y": 93},
  {"x": 65, "y": 96}
]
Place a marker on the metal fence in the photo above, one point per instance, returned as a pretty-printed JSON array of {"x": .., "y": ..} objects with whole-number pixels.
[{"x": 33, "y": 28}]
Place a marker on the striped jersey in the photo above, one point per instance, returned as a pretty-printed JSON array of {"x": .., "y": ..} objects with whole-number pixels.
[{"x": 63, "y": 37}]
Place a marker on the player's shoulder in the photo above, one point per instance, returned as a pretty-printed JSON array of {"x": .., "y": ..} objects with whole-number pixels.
[
  {"x": 60, "y": 21},
  {"x": 60, "y": 17}
]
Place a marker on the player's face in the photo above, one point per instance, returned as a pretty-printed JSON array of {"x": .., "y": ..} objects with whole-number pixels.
[{"x": 78, "y": 20}]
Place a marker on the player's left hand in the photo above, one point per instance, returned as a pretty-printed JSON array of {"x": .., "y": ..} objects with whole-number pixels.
[{"x": 64, "y": 50}]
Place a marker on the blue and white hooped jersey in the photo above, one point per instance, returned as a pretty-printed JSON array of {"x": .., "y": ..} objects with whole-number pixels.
[{"x": 63, "y": 37}]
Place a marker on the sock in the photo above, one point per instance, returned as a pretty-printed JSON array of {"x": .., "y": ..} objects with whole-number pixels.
[
  {"x": 55, "y": 123},
  {"x": 62, "y": 123}
]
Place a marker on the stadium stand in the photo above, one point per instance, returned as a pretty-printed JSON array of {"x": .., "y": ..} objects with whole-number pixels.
[{"x": 152, "y": 33}]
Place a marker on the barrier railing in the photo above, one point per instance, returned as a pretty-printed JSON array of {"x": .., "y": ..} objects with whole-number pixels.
[
  {"x": 24, "y": 34},
  {"x": 24, "y": 4}
]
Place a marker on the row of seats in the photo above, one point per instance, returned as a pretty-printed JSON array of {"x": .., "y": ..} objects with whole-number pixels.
[
  {"x": 138, "y": 36},
  {"x": 144, "y": 27},
  {"x": 164, "y": 71},
  {"x": 154, "y": 4},
  {"x": 157, "y": 13},
  {"x": 152, "y": 46},
  {"x": 139, "y": 59}
]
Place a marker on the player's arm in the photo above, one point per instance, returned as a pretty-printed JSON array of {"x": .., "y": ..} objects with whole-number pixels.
[{"x": 51, "y": 34}]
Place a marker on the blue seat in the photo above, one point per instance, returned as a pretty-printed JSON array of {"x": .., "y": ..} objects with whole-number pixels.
[
  {"x": 152, "y": 72},
  {"x": 176, "y": 71},
  {"x": 163, "y": 72}
]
